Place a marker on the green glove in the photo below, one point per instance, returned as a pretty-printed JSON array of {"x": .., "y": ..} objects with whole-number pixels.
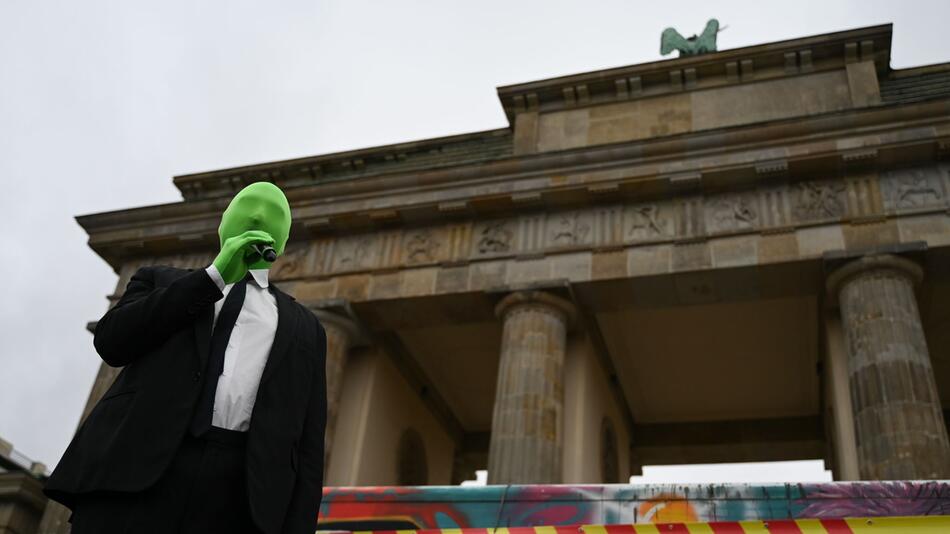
[
  {"x": 259, "y": 213},
  {"x": 231, "y": 262}
]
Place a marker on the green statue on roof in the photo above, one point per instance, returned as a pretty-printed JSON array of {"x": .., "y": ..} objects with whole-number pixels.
[{"x": 703, "y": 43}]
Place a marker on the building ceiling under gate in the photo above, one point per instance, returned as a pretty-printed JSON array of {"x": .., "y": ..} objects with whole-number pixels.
[{"x": 723, "y": 361}]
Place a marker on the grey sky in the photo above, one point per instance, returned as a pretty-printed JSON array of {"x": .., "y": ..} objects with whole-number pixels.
[{"x": 101, "y": 103}]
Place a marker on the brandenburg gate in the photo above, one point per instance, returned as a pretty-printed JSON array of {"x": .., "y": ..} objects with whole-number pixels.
[{"x": 737, "y": 256}]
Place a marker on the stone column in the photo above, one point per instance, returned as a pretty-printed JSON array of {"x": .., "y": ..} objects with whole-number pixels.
[
  {"x": 899, "y": 426},
  {"x": 527, "y": 437},
  {"x": 341, "y": 335},
  {"x": 838, "y": 400}
]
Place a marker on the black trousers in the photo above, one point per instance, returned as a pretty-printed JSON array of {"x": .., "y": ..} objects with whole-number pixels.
[{"x": 203, "y": 491}]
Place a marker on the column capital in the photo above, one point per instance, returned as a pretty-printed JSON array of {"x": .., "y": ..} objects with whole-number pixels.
[
  {"x": 876, "y": 262},
  {"x": 538, "y": 299},
  {"x": 338, "y": 316},
  {"x": 336, "y": 320}
]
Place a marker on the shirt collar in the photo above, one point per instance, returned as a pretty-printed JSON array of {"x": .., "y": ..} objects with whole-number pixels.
[{"x": 260, "y": 276}]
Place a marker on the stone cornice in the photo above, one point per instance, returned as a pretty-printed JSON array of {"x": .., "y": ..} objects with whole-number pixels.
[
  {"x": 401, "y": 157},
  {"x": 738, "y": 65},
  {"x": 921, "y": 70}
]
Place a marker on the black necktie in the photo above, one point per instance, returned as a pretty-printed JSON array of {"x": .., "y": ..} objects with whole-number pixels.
[{"x": 219, "y": 342}]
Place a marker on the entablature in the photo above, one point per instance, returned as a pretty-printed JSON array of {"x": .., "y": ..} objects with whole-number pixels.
[
  {"x": 826, "y": 147},
  {"x": 763, "y": 242}
]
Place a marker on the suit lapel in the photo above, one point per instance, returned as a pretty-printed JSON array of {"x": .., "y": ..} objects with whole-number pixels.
[{"x": 286, "y": 327}]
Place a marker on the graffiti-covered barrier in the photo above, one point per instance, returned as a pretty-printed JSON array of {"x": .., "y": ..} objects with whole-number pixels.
[{"x": 454, "y": 507}]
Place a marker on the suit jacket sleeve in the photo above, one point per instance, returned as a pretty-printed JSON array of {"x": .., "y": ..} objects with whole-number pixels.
[
  {"x": 147, "y": 315},
  {"x": 308, "y": 490}
]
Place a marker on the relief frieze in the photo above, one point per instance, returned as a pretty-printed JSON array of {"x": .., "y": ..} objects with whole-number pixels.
[
  {"x": 422, "y": 247},
  {"x": 536, "y": 233},
  {"x": 569, "y": 229},
  {"x": 819, "y": 200},
  {"x": 730, "y": 212},
  {"x": 913, "y": 189},
  {"x": 292, "y": 263},
  {"x": 353, "y": 253},
  {"x": 648, "y": 222},
  {"x": 494, "y": 237}
]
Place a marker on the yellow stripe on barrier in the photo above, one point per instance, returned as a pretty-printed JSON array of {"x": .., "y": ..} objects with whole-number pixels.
[
  {"x": 699, "y": 528},
  {"x": 810, "y": 526},
  {"x": 754, "y": 527}
]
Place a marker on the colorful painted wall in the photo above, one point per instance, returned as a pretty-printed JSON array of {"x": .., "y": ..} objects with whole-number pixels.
[{"x": 509, "y": 506}]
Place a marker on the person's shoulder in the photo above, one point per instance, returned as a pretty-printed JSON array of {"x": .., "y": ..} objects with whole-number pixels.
[
  {"x": 309, "y": 316},
  {"x": 308, "y": 319},
  {"x": 160, "y": 273},
  {"x": 312, "y": 323},
  {"x": 172, "y": 271},
  {"x": 164, "y": 269}
]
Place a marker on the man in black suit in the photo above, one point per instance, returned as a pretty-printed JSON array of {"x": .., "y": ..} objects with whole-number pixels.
[{"x": 216, "y": 421}]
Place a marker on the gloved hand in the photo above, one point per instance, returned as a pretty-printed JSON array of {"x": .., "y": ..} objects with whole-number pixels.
[{"x": 233, "y": 260}]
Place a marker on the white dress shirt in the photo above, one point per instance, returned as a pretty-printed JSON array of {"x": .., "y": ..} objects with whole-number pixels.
[{"x": 247, "y": 351}]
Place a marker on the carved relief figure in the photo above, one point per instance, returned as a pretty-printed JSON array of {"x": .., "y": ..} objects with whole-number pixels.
[
  {"x": 495, "y": 237},
  {"x": 647, "y": 222},
  {"x": 732, "y": 212},
  {"x": 421, "y": 247},
  {"x": 915, "y": 191},
  {"x": 291, "y": 263},
  {"x": 570, "y": 229},
  {"x": 354, "y": 253},
  {"x": 820, "y": 199}
]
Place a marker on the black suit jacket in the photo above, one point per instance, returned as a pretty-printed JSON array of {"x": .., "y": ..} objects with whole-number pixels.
[{"x": 160, "y": 331}]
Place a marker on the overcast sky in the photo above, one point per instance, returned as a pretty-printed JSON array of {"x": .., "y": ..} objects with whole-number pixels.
[{"x": 101, "y": 103}]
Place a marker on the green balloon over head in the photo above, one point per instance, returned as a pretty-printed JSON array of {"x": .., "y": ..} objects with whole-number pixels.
[{"x": 257, "y": 212}]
